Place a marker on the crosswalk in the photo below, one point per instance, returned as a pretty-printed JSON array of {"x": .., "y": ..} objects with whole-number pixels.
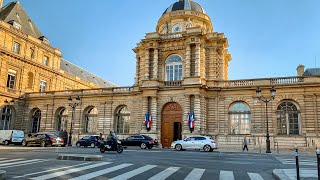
[
  {"x": 111, "y": 170},
  {"x": 302, "y": 161}
]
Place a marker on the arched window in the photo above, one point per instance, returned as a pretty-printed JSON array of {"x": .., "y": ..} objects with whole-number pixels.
[
  {"x": 174, "y": 68},
  {"x": 240, "y": 118},
  {"x": 36, "y": 118},
  {"x": 288, "y": 119},
  {"x": 62, "y": 120},
  {"x": 122, "y": 120},
  {"x": 6, "y": 118},
  {"x": 90, "y": 123}
]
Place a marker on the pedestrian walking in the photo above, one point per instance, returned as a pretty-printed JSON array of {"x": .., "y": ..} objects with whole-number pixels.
[{"x": 245, "y": 144}]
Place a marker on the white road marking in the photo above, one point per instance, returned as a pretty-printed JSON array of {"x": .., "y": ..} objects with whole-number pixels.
[
  {"x": 255, "y": 176},
  {"x": 56, "y": 174},
  {"x": 39, "y": 161},
  {"x": 226, "y": 175},
  {"x": 50, "y": 170},
  {"x": 10, "y": 160},
  {"x": 195, "y": 174},
  {"x": 132, "y": 173},
  {"x": 20, "y": 162},
  {"x": 164, "y": 174},
  {"x": 101, "y": 172},
  {"x": 3, "y": 158}
]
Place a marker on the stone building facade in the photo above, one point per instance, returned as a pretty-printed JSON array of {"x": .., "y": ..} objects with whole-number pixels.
[{"x": 182, "y": 69}]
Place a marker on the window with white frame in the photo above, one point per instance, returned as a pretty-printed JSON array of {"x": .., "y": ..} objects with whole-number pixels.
[
  {"x": 240, "y": 118},
  {"x": 43, "y": 85},
  {"x": 11, "y": 81},
  {"x": 122, "y": 121},
  {"x": 16, "y": 47},
  {"x": 90, "y": 121},
  {"x": 174, "y": 68},
  {"x": 288, "y": 119},
  {"x": 46, "y": 60}
]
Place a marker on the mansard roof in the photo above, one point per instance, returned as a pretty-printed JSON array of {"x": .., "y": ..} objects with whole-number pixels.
[
  {"x": 84, "y": 74},
  {"x": 13, "y": 11},
  {"x": 312, "y": 72}
]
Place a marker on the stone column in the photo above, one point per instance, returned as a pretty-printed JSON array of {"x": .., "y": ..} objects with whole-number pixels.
[
  {"x": 197, "y": 113},
  {"x": 155, "y": 64},
  {"x": 154, "y": 113},
  {"x": 188, "y": 58},
  {"x": 146, "y": 61},
  {"x": 197, "y": 63},
  {"x": 137, "y": 69},
  {"x": 185, "y": 128},
  {"x": 221, "y": 63}
]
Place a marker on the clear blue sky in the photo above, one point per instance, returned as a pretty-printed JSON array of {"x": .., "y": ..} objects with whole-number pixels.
[{"x": 267, "y": 38}]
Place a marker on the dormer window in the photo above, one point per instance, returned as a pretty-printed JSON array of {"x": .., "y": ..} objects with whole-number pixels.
[
  {"x": 16, "y": 48},
  {"x": 44, "y": 39},
  {"x": 46, "y": 60},
  {"x": 15, "y": 24}
]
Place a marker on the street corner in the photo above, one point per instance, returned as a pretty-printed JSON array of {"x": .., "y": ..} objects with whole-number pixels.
[{"x": 279, "y": 174}]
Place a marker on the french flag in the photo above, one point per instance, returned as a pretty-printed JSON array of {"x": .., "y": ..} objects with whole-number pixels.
[
  {"x": 191, "y": 120},
  {"x": 148, "y": 120}
]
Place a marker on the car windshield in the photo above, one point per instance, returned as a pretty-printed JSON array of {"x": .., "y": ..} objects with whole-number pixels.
[{"x": 52, "y": 135}]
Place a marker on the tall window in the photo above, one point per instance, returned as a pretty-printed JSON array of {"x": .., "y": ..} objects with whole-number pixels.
[
  {"x": 36, "y": 119},
  {"x": 174, "y": 68},
  {"x": 62, "y": 120},
  {"x": 288, "y": 119},
  {"x": 43, "y": 85},
  {"x": 6, "y": 118},
  {"x": 11, "y": 81},
  {"x": 90, "y": 122},
  {"x": 122, "y": 120},
  {"x": 16, "y": 47},
  {"x": 30, "y": 80},
  {"x": 46, "y": 60},
  {"x": 240, "y": 118},
  {"x": 32, "y": 53}
]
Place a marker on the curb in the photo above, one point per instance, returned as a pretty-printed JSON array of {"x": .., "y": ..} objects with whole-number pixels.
[
  {"x": 79, "y": 157},
  {"x": 3, "y": 175},
  {"x": 278, "y": 174}
]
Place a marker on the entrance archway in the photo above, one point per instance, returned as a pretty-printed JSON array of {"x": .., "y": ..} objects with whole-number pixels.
[{"x": 171, "y": 123}]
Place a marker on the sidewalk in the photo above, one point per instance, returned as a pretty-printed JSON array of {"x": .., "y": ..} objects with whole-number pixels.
[{"x": 290, "y": 174}]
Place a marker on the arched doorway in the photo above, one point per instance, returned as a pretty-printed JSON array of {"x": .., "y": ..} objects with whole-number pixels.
[
  {"x": 171, "y": 123},
  {"x": 62, "y": 119}
]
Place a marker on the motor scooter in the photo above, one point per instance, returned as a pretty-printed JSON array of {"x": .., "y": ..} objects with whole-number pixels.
[{"x": 114, "y": 145}]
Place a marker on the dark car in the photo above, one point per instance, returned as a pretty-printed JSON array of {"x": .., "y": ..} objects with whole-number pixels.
[
  {"x": 62, "y": 137},
  {"x": 91, "y": 141},
  {"x": 41, "y": 139},
  {"x": 139, "y": 140}
]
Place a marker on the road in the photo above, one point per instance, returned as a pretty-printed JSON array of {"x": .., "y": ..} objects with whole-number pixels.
[{"x": 138, "y": 164}]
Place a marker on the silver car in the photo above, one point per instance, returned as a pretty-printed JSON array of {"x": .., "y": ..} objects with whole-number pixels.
[{"x": 196, "y": 142}]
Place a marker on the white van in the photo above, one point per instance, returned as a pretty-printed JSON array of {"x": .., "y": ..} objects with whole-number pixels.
[{"x": 11, "y": 137}]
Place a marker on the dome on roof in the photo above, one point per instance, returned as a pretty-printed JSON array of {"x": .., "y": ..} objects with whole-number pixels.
[{"x": 184, "y": 5}]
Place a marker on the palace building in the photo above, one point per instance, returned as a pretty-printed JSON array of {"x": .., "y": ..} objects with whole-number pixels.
[{"x": 181, "y": 75}]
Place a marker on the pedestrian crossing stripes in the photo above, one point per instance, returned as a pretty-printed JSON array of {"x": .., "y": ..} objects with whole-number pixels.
[
  {"x": 114, "y": 171},
  {"x": 292, "y": 161}
]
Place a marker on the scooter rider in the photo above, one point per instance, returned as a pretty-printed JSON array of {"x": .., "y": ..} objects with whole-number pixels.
[{"x": 110, "y": 139}]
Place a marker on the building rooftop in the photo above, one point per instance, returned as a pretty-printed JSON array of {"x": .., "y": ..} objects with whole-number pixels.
[
  {"x": 184, "y": 5},
  {"x": 312, "y": 72}
]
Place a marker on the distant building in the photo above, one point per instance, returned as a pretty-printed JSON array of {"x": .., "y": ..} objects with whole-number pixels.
[{"x": 181, "y": 69}]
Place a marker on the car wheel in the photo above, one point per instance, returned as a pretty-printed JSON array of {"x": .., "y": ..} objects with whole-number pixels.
[
  {"x": 178, "y": 147},
  {"x": 24, "y": 143},
  {"x": 78, "y": 144},
  {"x": 92, "y": 145},
  {"x": 6, "y": 143},
  {"x": 102, "y": 150},
  {"x": 43, "y": 144},
  {"x": 207, "y": 148},
  {"x": 143, "y": 146}
]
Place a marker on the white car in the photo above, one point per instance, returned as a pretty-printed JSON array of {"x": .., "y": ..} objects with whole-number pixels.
[
  {"x": 11, "y": 137},
  {"x": 205, "y": 143}
]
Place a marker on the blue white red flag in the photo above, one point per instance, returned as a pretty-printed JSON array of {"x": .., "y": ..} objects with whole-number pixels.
[
  {"x": 147, "y": 120},
  {"x": 191, "y": 120}
]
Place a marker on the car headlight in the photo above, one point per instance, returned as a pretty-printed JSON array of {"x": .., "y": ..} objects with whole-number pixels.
[{"x": 119, "y": 142}]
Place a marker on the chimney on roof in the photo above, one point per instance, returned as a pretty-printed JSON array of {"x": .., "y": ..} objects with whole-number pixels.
[
  {"x": 300, "y": 70},
  {"x": 1, "y": 3}
]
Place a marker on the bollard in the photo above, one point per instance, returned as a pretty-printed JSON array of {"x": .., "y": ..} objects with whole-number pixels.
[
  {"x": 318, "y": 162},
  {"x": 297, "y": 161},
  {"x": 278, "y": 147}
]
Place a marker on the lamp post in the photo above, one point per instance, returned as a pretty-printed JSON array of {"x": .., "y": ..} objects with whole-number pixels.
[
  {"x": 73, "y": 105},
  {"x": 7, "y": 114},
  {"x": 266, "y": 101}
]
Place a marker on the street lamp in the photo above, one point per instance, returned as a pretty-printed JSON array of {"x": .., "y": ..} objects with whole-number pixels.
[
  {"x": 266, "y": 101},
  {"x": 73, "y": 105},
  {"x": 7, "y": 114}
]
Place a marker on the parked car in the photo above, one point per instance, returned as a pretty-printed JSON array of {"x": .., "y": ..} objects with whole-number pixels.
[
  {"x": 205, "y": 143},
  {"x": 91, "y": 141},
  {"x": 139, "y": 140},
  {"x": 41, "y": 139},
  {"x": 11, "y": 137},
  {"x": 62, "y": 137}
]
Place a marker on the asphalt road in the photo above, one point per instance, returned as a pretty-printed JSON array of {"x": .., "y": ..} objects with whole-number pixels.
[{"x": 138, "y": 164}]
